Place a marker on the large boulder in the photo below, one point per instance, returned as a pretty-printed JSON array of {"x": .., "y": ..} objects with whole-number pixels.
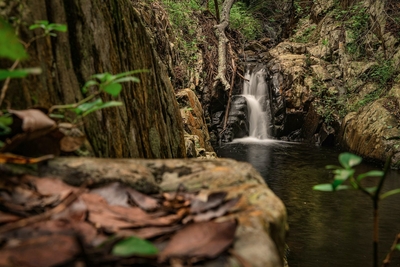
[
  {"x": 374, "y": 131},
  {"x": 260, "y": 237}
]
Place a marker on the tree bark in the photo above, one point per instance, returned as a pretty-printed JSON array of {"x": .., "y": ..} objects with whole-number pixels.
[
  {"x": 103, "y": 36},
  {"x": 222, "y": 42}
]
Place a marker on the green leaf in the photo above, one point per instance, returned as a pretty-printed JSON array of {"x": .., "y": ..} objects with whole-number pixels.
[
  {"x": 332, "y": 167},
  {"x": 20, "y": 73},
  {"x": 86, "y": 106},
  {"x": 4, "y": 74},
  {"x": 127, "y": 79},
  {"x": 348, "y": 160},
  {"x": 343, "y": 174},
  {"x": 134, "y": 246},
  {"x": 56, "y": 116},
  {"x": 10, "y": 46},
  {"x": 323, "y": 187},
  {"x": 398, "y": 246},
  {"x": 371, "y": 190},
  {"x": 390, "y": 193},
  {"x": 129, "y": 73},
  {"x": 88, "y": 84},
  {"x": 113, "y": 89},
  {"x": 42, "y": 22},
  {"x": 369, "y": 174},
  {"x": 5, "y": 121},
  {"x": 57, "y": 27},
  {"x": 103, "y": 77},
  {"x": 35, "y": 26},
  {"x": 101, "y": 106},
  {"x": 337, "y": 183},
  {"x": 342, "y": 187}
]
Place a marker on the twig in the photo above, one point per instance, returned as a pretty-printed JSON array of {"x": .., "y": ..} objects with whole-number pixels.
[
  {"x": 386, "y": 261},
  {"x": 241, "y": 76},
  {"x": 7, "y": 82}
]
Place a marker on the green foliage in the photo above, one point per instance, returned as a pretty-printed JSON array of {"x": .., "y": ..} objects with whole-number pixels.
[
  {"x": 367, "y": 99},
  {"x": 5, "y": 121},
  {"x": 306, "y": 35},
  {"x": 134, "y": 246},
  {"x": 327, "y": 104},
  {"x": 19, "y": 73},
  {"x": 345, "y": 173},
  {"x": 356, "y": 23},
  {"x": 48, "y": 28},
  {"x": 243, "y": 20},
  {"x": 10, "y": 46},
  {"x": 104, "y": 82},
  {"x": 383, "y": 72}
]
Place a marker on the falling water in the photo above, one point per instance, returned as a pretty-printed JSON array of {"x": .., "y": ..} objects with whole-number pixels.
[{"x": 255, "y": 91}]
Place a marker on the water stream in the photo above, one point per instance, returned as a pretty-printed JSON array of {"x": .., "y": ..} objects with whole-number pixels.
[
  {"x": 255, "y": 90},
  {"x": 326, "y": 229}
]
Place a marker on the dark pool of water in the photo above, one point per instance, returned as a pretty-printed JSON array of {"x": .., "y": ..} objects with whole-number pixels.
[{"x": 326, "y": 229}]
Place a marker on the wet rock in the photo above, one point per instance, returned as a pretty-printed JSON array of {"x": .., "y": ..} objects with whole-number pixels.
[{"x": 237, "y": 124}]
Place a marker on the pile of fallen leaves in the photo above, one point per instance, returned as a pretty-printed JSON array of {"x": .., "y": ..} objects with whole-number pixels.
[{"x": 45, "y": 222}]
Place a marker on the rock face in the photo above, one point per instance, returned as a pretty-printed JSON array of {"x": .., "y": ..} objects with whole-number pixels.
[
  {"x": 197, "y": 138},
  {"x": 322, "y": 73},
  {"x": 238, "y": 122},
  {"x": 102, "y": 37},
  {"x": 374, "y": 131},
  {"x": 260, "y": 237}
]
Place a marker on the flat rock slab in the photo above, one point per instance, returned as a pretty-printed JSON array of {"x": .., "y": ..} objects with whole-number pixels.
[{"x": 260, "y": 237}]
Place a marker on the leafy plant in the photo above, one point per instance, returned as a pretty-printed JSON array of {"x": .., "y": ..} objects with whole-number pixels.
[
  {"x": 345, "y": 179},
  {"x": 243, "y": 20},
  {"x": 105, "y": 82},
  {"x": 48, "y": 28}
]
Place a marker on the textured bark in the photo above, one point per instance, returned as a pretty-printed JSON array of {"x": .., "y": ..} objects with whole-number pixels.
[{"x": 103, "y": 36}]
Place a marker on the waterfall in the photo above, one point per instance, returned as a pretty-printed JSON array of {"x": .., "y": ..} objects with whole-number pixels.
[{"x": 255, "y": 90}]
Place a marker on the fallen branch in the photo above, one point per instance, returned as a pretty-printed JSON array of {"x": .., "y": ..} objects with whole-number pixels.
[
  {"x": 222, "y": 41},
  {"x": 228, "y": 105}
]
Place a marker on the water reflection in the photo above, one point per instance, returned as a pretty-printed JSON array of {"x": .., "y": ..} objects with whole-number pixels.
[{"x": 326, "y": 229}]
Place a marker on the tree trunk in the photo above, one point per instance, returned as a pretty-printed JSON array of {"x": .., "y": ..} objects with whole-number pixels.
[{"x": 103, "y": 36}]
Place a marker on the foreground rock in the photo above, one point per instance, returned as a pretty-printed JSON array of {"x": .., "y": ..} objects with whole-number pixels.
[{"x": 260, "y": 237}]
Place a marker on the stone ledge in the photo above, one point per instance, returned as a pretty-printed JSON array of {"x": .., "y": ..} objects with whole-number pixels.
[{"x": 260, "y": 237}]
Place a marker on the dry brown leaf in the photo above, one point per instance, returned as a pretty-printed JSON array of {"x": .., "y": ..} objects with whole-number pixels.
[
  {"x": 113, "y": 193},
  {"x": 200, "y": 240},
  {"x": 43, "y": 251},
  {"x": 33, "y": 119},
  {"x": 149, "y": 232},
  {"x": 77, "y": 211},
  {"x": 211, "y": 214},
  {"x": 143, "y": 201},
  {"x": 50, "y": 186},
  {"x": 8, "y": 217},
  {"x": 213, "y": 200}
]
